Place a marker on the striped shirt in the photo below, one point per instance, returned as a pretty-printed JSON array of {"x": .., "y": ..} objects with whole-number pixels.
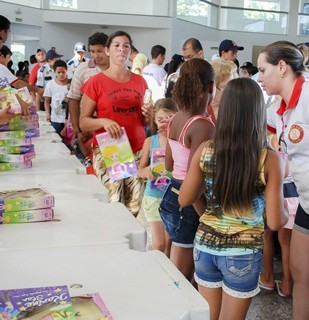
[
  {"x": 222, "y": 234},
  {"x": 82, "y": 73}
]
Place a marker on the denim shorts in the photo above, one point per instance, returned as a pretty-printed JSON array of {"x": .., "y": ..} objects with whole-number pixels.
[
  {"x": 237, "y": 275},
  {"x": 180, "y": 223}
]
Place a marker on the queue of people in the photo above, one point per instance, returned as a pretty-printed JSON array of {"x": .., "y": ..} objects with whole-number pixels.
[{"x": 235, "y": 164}]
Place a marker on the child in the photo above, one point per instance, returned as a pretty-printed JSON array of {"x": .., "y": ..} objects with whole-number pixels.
[
  {"x": 163, "y": 109},
  {"x": 54, "y": 97},
  {"x": 267, "y": 281},
  {"x": 186, "y": 131},
  {"x": 242, "y": 178}
]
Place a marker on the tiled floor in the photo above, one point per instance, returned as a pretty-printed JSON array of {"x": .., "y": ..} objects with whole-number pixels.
[{"x": 267, "y": 305}]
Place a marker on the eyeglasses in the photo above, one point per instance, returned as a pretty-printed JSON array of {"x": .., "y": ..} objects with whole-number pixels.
[
  {"x": 282, "y": 144},
  {"x": 189, "y": 57}
]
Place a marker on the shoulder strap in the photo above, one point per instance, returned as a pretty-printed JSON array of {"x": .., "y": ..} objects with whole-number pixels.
[
  {"x": 181, "y": 138},
  {"x": 169, "y": 126}
]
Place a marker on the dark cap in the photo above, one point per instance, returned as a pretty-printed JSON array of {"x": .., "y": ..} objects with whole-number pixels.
[
  {"x": 246, "y": 65},
  {"x": 227, "y": 45},
  {"x": 51, "y": 54},
  {"x": 178, "y": 58},
  {"x": 41, "y": 50}
]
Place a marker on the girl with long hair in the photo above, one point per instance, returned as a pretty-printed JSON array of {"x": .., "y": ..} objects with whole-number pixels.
[{"x": 242, "y": 180}]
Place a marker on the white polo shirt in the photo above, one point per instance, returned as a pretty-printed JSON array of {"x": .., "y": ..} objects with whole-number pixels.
[{"x": 293, "y": 121}]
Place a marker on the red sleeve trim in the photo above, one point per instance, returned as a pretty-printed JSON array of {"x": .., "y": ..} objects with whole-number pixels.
[{"x": 271, "y": 129}]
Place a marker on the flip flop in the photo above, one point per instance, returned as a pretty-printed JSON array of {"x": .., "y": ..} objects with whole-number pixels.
[
  {"x": 263, "y": 286},
  {"x": 281, "y": 294}
]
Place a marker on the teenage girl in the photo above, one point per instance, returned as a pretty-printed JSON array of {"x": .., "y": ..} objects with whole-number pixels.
[
  {"x": 163, "y": 109},
  {"x": 241, "y": 178},
  {"x": 186, "y": 131}
]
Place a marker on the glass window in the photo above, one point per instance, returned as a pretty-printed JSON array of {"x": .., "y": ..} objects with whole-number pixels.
[
  {"x": 18, "y": 50},
  {"x": 201, "y": 12}
]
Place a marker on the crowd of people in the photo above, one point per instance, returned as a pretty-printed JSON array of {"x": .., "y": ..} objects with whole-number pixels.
[{"x": 238, "y": 159}]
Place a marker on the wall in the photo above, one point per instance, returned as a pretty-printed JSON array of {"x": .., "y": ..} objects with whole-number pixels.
[{"x": 64, "y": 29}]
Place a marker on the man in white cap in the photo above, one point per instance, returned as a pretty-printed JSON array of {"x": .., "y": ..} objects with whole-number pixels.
[{"x": 79, "y": 57}]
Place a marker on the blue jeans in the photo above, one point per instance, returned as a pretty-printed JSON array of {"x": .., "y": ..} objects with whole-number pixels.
[
  {"x": 180, "y": 223},
  {"x": 237, "y": 275},
  {"x": 58, "y": 126}
]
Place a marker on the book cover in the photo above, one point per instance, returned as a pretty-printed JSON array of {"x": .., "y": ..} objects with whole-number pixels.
[
  {"x": 45, "y": 303},
  {"x": 19, "y": 126},
  {"x": 16, "y": 149},
  {"x": 17, "y": 157},
  {"x": 90, "y": 307},
  {"x": 32, "y": 198},
  {"x": 4, "y": 82},
  {"x": 7, "y": 166},
  {"x": 8, "y": 98},
  {"x": 162, "y": 177},
  {"x": 23, "y": 216},
  {"x": 19, "y": 134},
  {"x": 15, "y": 142},
  {"x": 118, "y": 156},
  {"x": 22, "y": 118}
]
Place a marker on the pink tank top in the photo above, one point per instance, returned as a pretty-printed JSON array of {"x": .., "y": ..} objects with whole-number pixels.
[{"x": 180, "y": 153}]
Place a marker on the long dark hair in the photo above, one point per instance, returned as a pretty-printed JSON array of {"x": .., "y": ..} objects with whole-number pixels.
[
  {"x": 196, "y": 77},
  {"x": 239, "y": 140}
]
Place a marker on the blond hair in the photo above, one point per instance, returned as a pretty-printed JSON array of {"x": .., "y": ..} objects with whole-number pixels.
[{"x": 224, "y": 69}]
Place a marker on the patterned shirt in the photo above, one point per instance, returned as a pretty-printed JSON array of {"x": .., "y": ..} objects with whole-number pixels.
[
  {"x": 82, "y": 73},
  {"x": 222, "y": 234}
]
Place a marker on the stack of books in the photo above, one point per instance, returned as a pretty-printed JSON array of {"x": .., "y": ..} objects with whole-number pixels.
[
  {"x": 16, "y": 148},
  {"x": 29, "y": 205},
  {"x": 51, "y": 303}
]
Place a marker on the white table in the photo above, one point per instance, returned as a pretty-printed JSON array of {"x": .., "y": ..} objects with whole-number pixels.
[
  {"x": 80, "y": 222},
  {"x": 63, "y": 185},
  {"x": 44, "y": 146},
  {"x": 134, "y": 285},
  {"x": 51, "y": 162}
]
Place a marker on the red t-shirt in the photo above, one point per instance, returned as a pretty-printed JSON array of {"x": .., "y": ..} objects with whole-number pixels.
[
  {"x": 120, "y": 102},
  {"x": 33, "y": 77}
]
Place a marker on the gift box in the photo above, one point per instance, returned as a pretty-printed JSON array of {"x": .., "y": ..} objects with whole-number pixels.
[
  {"x": 16, "y": 149},
  {"x": 15, "y": 142},
  {"x": 20, "y": 134},
  {"x": 32, "y": 198},
  {"x": 36, "y": 215},
  {"x": 22, "y": 125},
  {"x": 7, "y": 166},
  {"x": 17, "y": 157}
]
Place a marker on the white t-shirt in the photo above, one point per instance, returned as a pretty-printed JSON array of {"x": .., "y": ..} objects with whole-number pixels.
[
  {"x": 155, "y": 71},
  {"x": 57, "y": 94},
  {"x": 5, "y": 72},
  {"x": 295, "y": 126}
]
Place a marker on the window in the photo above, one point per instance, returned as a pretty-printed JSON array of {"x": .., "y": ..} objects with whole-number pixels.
[
  {"x": 18, "y": 50},
  {"x": 71, "y": 4},
  {"x": 260, "y": 9}
]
